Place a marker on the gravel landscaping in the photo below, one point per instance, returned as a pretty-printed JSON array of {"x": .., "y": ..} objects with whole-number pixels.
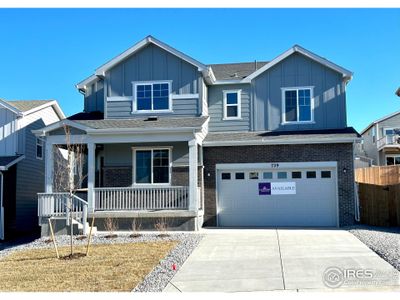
[
  {"x": 385, "y": 241},
  {"x": 157, "y": 279}
]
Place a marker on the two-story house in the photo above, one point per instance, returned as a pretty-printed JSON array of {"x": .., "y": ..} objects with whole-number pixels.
[
  {"x": 242, "y": 144},
  {"x": 381, "y": 140},
  {"x": 22, "y": 162}
]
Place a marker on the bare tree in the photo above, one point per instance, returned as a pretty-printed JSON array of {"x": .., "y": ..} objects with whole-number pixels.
[{"x": 69, "y": 173}]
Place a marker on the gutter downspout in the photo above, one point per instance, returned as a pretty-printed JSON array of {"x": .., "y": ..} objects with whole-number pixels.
[
  {"x": 356, "y": 199},
  {"x": 1, "y": 206}
]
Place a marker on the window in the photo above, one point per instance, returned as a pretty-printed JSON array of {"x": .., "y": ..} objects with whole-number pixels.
[
  {"x": 226, "y": 176},
  {"x": 392, "y": 160},
  {"x": 296, "y": 175},
  {"x": 282, "y": 175},
  {"x": 39, "y": 148},
  {"x": 232, "y": 104},
  {"x": 152, "y": 166},
  {"x": 297, "y": 105},
  {"x": 152, "y": 96},
  {"x": 253, "y": 175},
  {"x": 239, "y": 175},
  {"x": 267, "y": 175},
  {"x": 325, "y": 174},
  {"x": 311, "y": 174},
  {"x": 373, "y": 132}
]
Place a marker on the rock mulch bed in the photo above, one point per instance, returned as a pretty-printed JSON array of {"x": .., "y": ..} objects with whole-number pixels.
[
  {"x": 156, "y": 280},
  {"x": 385, "y": 241}
]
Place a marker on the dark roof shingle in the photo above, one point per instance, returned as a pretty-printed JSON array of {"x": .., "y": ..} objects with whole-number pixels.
[
  {"x": 161, "y": 122},
  {"x": 237, "y": 71}
]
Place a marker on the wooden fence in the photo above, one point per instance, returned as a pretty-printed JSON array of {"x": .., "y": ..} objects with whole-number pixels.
[
  {"x": 387, "y": 175},
  {"x": 379, "y": 204}
]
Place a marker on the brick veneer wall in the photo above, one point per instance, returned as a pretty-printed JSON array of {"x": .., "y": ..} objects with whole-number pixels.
[{"x": 342, "y": 153}]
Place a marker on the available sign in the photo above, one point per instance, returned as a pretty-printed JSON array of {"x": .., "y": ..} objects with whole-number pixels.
[{"x": 277, "y": 188}]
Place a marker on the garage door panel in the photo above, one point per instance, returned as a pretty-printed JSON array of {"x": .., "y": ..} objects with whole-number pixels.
[{"x": 313, "y": 204}]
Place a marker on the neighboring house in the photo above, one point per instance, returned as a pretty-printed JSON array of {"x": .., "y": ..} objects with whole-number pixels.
[
  {"x": 243, "y": 144},
  {"x": 22, "y": 162},
  {"x": 381, "y": 140}
]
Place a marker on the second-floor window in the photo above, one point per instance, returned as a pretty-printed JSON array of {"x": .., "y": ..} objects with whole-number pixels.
[
  {"x": 232, "y": 104},
  {"x": 297, "y": 105},
  {"x": 152, "y": 96}
]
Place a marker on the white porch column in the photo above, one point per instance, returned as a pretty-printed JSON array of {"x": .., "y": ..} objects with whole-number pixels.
[
  {"x": 193, "y": 162},
  {"x": 91, "y": 175},
  {"x": 49, "y": 167}
]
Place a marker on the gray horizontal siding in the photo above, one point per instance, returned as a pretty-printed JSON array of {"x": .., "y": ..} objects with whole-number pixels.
[
  {"x": 216, "y": 112},
  {"x": 295, "y": 71},
  {"x": 393, "y": 122},
  {"x": 180, "y": 107}
]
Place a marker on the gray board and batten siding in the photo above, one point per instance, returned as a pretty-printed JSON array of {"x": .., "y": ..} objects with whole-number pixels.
[
  {"x": 299, "y": 71},
  {"x": 152, "y": 64}
]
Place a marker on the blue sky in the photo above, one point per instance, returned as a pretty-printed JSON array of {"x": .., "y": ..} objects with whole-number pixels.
[{"x": 45, "y": 52}]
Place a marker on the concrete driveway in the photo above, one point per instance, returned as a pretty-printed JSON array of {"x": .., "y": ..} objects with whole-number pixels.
[{"x": 242, "y": 260}]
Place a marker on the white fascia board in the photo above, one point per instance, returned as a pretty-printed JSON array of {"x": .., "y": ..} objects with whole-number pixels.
[
  {"x": 88, "y": 81},
  {"x": 10, "y": 107},
  {"x": 380, "y": 120},
  {"x": 17, "y": 160},
  {"x": 57, "y": 125},
  {"x": 224, "y": 82},
  {"x": 296, "y": 48},
  {"x": 147, "y": 40},
  {"x": 51, "y": 103},
  {"x": 279, "y": 142}
]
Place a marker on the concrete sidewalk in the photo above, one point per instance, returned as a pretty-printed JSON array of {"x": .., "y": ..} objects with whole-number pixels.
[{"x": 243, "y": 260}]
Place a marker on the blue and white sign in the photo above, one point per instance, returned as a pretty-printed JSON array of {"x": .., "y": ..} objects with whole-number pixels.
[{"x": 277, "y": 188}]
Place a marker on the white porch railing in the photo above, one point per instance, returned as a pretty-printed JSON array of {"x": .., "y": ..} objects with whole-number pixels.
[
  {"x": 60, "y": 205},
  {"x": 391, "y": 139},
  {"x": 141, "y": 198}
]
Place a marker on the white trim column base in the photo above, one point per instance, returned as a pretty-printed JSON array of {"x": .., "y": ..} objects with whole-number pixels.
[{"x": 193, "y": 176}]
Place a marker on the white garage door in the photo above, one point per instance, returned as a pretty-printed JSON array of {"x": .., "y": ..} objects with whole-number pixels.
[{"x": 278, "y": 194}]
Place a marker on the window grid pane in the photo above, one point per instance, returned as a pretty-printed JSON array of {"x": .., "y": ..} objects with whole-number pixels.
[
  {"x": 298, "y": 105},
  {"x": 152, "y": 96}
]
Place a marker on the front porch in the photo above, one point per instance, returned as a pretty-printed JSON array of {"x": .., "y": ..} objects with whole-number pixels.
[{"x": 126, "y": 178}]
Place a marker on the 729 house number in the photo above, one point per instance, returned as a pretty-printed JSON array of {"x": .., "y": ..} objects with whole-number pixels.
[{"x": 274, "y": 166}]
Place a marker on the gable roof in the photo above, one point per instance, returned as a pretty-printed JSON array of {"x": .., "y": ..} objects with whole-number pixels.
[
  {"x": 380, "y": 120},
  {"x": 243, "y": 72},
  {"x": 236, "y": 71},
  {"x": 26, "y": 107},
  {"x": 100, "y": 71},
  {"x": 347, "y": 75}
]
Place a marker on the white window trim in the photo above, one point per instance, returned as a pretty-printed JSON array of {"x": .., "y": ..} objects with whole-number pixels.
[
  {"x": 134, "y": 102},
  {"x": 283, "y": 90},
  {"x": 239, "y": 104},
  {"x": 388, "y": 128},
  {"x": 37, "y": 144},
  {"x": 134, "y": 149},
  {"x": 393, "y": 156}
]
